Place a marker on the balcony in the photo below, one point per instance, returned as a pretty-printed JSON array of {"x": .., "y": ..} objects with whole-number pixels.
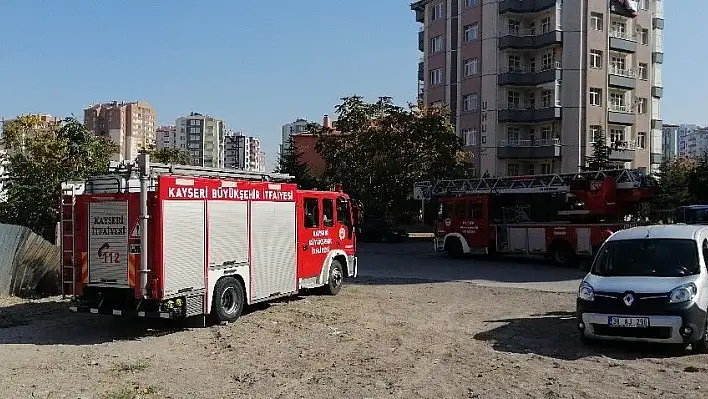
[
  {"x": 525, "y": 6},
  {"x": 622, "y": 151},
  {"x": 619, "y": 8},
  {"x": 419, "y": 8},
  {"x": 421, "y": 70},
  {"x": 623, "y": 78},
  {"x": 421, "y": 40},
  {"x": 620, "y": 115},
  {"x": 526, "y": 77},
  {"x": 529, "y": 115},
  {"x": 527, "y": 39},
  {"x": 526, "y": 149},
  {"x": 657, "y": 124},
  {"x": 657, "y": 23},
  {"x": 624, "y": 42},
  {"x": 657, "y": 57},
  {"x": 657, "y": 91}
]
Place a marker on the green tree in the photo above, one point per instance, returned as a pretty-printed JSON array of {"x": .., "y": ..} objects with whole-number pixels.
[
  {"x": 600, "y": 158},
  {"x": 676, "y": 183},
  {"x": 39, "y": 158},
  {"x": 168, "y": 155},
  {"x": 290, "y": 163},
  {"x": 379, "y": 150}
]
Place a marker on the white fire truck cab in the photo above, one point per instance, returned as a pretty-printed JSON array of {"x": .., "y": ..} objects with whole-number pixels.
[{"x": 176, "y": 241}]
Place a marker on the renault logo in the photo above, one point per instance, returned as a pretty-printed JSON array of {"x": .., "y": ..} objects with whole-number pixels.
[{"x": 628, "y": 299}]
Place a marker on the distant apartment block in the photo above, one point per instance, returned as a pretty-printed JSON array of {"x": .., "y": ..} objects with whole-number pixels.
[
  {"x": 305, "y": 143},
  {"x": 203, "y": 137},
  {"x": 693, "y": 140},
  {"x": 297, "y": 126},
  {"x": 131, "y": 125},
  {"x": 670, "y": 141},
  {"x": 166, "y": 137},
  {"x": 531, "y": 84},
  {"x": 47, "y": 122},
  {"x": 244, "y": 152}
]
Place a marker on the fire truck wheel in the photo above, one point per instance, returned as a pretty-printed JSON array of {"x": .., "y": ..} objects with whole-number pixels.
[
  {"x": 228, "y": 301},
  {"x": 562, "y": 254},
  {"x": 454, "y": 248},
  {"x": 336, "y": 278}
]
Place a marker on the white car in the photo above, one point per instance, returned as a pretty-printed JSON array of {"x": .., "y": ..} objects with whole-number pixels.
[{"x": 650, "y": 284}]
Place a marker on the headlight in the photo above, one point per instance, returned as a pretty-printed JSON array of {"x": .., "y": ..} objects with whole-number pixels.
[
  {"x": 683, "y": 293},
  {"x": 586, "y": 292}
]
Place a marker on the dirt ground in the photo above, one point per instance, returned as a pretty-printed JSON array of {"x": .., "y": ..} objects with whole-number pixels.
[{"x": 377, "y": 339}]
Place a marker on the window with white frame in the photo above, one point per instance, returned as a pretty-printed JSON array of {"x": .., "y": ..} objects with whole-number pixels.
[
  {"x": 514, "y": 63},
  {"x": 513, "y": 169},
  {"x": 642, "y": 106},
  {"x": 547, "y": 61},
  {"x": 437, "y": 11},
  {"x": 471, "y": 32},
  {"x": 595, "y": 131},
  {"x": 643, "y": 5},
  {"x": 546, "y": 25},
  {"x": 436, "y": 76},
  {"x": 619, "y": 28},
  {"x": 471, "y": 66},
  {"x": 513, "y": 135},
  {"x": 595, "y": 59},
  {"x": 470, "y": 136},
  {"x": 596, "y": 20},
  {"x": 645, "y": 37},
  {"x": 641, "y": 140},
  {"x": 546, "y": 98},
  {"x": 595, "y": 96},
  {"x": 642, "y": 70},
  {"x": 619, "y": 65},
  {"x": 514, "y": 99},
  {"x": 471, "y": 3},
  {"x": 514, "y": 27},
  {"x": 617, "y": 100},
  {"x": 470, "y": 102},
  {"x": 546, "y": 133},
  {"x": 437, "y": 44},
  {"x": 616, "y": 135},
  {"x": 546, "y": 168}
]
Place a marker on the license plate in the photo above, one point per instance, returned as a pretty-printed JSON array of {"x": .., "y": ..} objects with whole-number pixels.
[{"x": 637, "y": 322}]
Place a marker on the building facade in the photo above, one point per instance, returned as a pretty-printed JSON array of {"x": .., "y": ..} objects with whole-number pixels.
[
  {"x": 244, "y": 152},
  {"x": 289, "y": 129},
  {"x": 166, "y": 137},
  {"x": 670, "y": 141},
  {"x": 131, "y": 125},
  {"x": 692, "y": 140},
  {"x": 203, "y": 137},
  {"x": 530, "y": 84}
]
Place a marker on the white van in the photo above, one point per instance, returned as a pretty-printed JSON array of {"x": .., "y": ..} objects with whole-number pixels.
[{"x": 648, "y": 283}]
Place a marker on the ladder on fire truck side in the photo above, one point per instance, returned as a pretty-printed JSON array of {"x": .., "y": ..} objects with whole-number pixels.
[
  {"x": 67, "y": 222},
  {"x": 553, "y": 183},
  {"x": 200, "y": 171}
]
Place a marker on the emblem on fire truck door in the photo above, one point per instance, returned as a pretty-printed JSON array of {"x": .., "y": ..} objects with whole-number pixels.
[
  {"x": 448, "y": 222},
  {"x": 342, "y": 233}
]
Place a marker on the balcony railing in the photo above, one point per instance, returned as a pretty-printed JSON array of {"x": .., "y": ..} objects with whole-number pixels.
[
  {"x": 543, "y": 68},
  {"x": 623, "y": 35},
  {"x": 620, "y": 108},
  {"x": 621, "y": 145},
  {"x": 527, "y": 106},
  {"x": 527, "y": 143},
  {"x": 616, "y": 70},
  {"x": 527, "y": 32}
]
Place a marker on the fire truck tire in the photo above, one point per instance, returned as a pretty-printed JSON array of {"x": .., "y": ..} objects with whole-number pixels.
[
  {"x": 335, "y": 279},
  {"x": 229, "y": 298},
  {"x": 562, "y": 254},
  {"x": 454, "y": 248}
]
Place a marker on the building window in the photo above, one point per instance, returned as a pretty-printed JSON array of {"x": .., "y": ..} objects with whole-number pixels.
[
  {"x": 617, "y": 100},
  {"x": 437, "y": 11},
  {"x": 546, "y": 98},
  {"x": 514, "y": 99},
  {"x": 514, "y": 27},
  {"x": 595, "y": 131},
  {"x": 513, "y": 136},
  {"x": 514, "y": 63},
  {"x": 470, "y": 3},
  {"x": 645, "y": 37},
  {"x": 595, "y": 96},
  {"x": 641, "y": 140},
  {"x": 470, "y": 102},
  {"x": 642, "y": 70},
  {"x": 618, "y": 29},
  {"x": 471, "y": 32},
  {"x": 546, "y": 168},
  {"x": 642, "y": 106},
  {"x": 616, "y": 135},
  {"x": 513, "y": 169},
  {"x": 596, "y": 20},
  {"x": 643, "y": 5},
  {"x": 545, "y": 25},
  {"x": 470, "y": 136},
  {"x": 437, "y": 44},
  {"x": 595, "y": 59},
  {"x": 436, "y": 76},
  {"x": 546, "y": 133},
  {"x": 618, "y": 65},
  {"x": 547, "y": 61},
  {"x": 471, "y": 67}
]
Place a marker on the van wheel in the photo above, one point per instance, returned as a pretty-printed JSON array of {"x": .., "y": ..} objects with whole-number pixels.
[
  {"x": 335, "y": 279},
  {"x": 229, "y": 298},
  {"x": 701, "y": 345}
]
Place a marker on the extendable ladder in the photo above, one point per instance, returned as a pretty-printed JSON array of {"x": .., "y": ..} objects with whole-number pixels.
[{"x": 68, "y": 244}]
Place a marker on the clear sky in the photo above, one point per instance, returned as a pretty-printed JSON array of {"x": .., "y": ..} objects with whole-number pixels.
[{"x": 256, "y": 64}]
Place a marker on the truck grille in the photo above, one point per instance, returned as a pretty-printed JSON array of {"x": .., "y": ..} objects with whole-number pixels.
[{"x": 108, "y": 243}]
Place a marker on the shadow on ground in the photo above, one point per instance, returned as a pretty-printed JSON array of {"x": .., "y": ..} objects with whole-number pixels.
[
  {"x": 51, "y": 323},
  {"x": 555, "y": 335}
]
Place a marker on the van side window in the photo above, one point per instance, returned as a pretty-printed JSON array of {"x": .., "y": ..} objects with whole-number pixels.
[
  {"x": 705, "y": 252},
  {"x": 327, "y": 212},
  {"x": 342, "y": 211},
  {"x": 312, "y": 212}
]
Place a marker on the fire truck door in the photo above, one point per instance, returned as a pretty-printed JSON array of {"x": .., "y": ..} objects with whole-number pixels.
[
  {"x": 473, "y": 224},
  {"x": 315, "y": 239}
]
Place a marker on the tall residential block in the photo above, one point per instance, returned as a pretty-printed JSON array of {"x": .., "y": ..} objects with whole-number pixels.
[
  {"x": 131, "y": 125},
  {"x": 532, "y": 83},
  {"x": 299, "y": 125},
  {"x": 670, "y": 141},
  {"x": 203, "y": 137},
  {"x": 244, "y": 152},
  {"x": 166, "y": 137}
]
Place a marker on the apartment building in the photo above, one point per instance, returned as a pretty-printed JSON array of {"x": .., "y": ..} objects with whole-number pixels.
[
  {"x": 203, "y": 137},
  {"x": 166, "y": 137},
  {"x": 46, "y": 123},
  {"x": 669, "y": 141},
  {"x": 131, "y": 125},
  {"x": 244, "y": 152},
  {"x": 692, "y": 140},
  {"x": 299, "y": 125},
  {"x": 530, "y": 84}
]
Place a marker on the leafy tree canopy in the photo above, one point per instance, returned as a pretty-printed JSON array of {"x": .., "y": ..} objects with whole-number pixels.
[
  {"x": 38, "y": 158},
  {"x": 290, "y": 163},
  {"x": 169, "y": 155},
  {"x": 379, "y": 150}
]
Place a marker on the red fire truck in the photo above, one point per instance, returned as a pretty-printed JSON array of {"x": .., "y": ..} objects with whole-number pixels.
[
  {"x": 564, "y": 217},
  {"x": 173, "y": 241}
]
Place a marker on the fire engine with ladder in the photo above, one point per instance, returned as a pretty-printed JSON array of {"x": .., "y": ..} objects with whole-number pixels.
[
  {"x": 175, "y": 241},
  {"x": 564, "y": 217}
]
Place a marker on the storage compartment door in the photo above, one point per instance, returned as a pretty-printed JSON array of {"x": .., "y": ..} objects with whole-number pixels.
[
  {"x": 583, "y": 236},
  {"x": 228, "y": 233},
  {"x": 183, "y": 245},
  {"x": 108, "y": 243},
  {"x": 273, "y": 248}
]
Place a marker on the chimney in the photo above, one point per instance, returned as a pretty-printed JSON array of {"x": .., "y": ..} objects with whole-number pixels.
[{"x": 326, "y": 122}]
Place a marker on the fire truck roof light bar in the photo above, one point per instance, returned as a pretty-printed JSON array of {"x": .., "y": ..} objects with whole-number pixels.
[
  {"x": 554, "y": 183},
  {"x": 199, "y": 171}
]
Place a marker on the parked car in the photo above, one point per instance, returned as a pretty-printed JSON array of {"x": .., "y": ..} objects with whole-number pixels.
[
  {"x": 378, "y": 230},
  {"x": 648, "y": 283}
]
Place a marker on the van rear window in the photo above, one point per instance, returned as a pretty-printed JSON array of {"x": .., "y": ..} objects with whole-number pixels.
[{"x": 658, "y": 257}]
